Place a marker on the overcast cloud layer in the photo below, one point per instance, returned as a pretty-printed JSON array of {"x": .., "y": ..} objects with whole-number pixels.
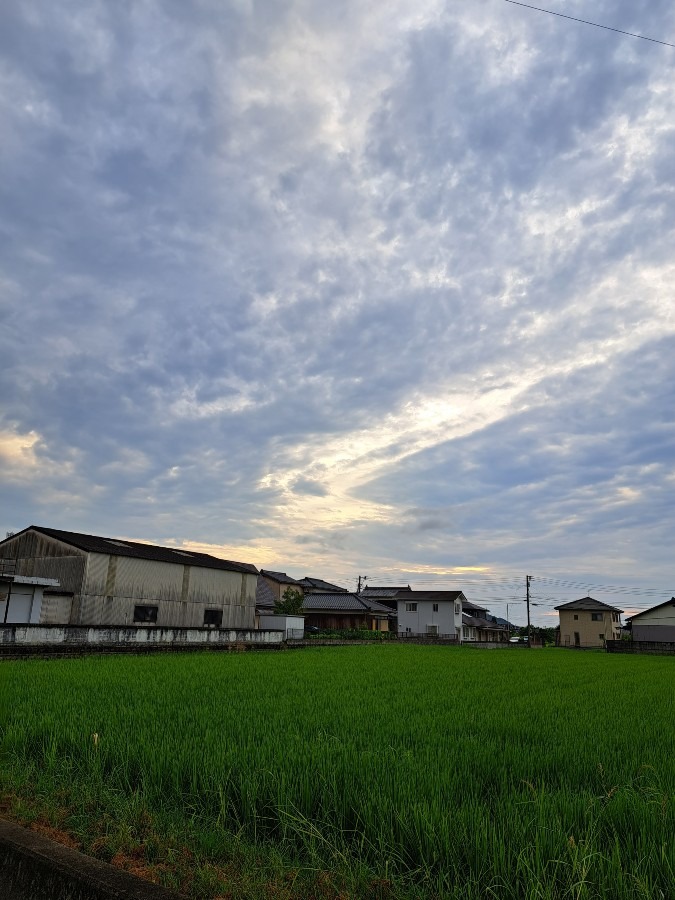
[{"x": 339, "y": 289}]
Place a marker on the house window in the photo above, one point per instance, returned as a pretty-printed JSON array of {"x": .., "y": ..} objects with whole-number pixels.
[
  {"x": 408, "y": 630},
  {"x": 596, "y": 617},
  {"x": 411, "y": 607},
  {"x": 457, "y": 609},
  {"x": 435, "y": 607},
  {"x": 213, "y": 618},
  {"x": 576, "y": 616},
  {"x": 145, "y": 615},
  {"x": 601, "y": 636}
]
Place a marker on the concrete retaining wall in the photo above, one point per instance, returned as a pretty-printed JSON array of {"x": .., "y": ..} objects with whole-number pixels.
[
  {"x": 35, "y": 868},
  {"x": 70, "y": 640}
]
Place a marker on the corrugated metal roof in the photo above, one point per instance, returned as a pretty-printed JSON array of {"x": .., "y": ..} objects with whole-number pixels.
[
  {"x": 588, "y": 603},
  {"x": 115, "y": 547}
]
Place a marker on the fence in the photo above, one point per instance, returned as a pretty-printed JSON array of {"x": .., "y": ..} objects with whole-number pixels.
[
  {"x": 425, "y": 637},
  {"x": 663, "y": 648}
]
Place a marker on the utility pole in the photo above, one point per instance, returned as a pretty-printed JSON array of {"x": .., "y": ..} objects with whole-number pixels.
[
  {"x": 365, "y": 578},
  {"x": 529, "y": 630}
]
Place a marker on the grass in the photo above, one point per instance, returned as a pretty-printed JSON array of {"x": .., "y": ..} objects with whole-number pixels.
[{"x": 384, "y": 770}]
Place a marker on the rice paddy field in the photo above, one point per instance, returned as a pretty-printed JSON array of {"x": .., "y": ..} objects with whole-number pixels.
[{"x": 365, "y": 771}]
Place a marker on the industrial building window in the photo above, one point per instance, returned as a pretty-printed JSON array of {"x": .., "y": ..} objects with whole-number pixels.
[
  {"x": 435, "y": 607},
  {"x": 596, "y": 617},
  {"x": 213, "y": 618},
  {"x": 411, "y": 607},
  {"x": 145, "y": 615}
]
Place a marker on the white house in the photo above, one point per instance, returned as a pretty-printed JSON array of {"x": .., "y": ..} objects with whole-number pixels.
[{"x": 430, "y": 613}]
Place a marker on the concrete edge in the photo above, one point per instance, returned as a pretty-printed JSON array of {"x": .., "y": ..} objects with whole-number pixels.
[{"x": 32, "y": 867}]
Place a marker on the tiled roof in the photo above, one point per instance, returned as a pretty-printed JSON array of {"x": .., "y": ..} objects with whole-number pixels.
[
  {"x": 449, "y": 596},
  {"x": 480, "y": 622},
  {"x": 467, "y": 604},
  {"x": 281, "y": 577},
  {"x": 113, "y": 547},
  {"x": 264, "y": 595},
  {"x": 342, "y": 602},
  {"x": 587, "y": 603},
  {"x": 316, "y": 584},
  {"x": 370, "y": 591}
]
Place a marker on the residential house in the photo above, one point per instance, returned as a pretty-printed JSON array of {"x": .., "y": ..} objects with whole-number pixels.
[
  {"x": 655, "y": 624},
  {"x": 110, "y": 581},
  {"x": 344, "y": 611},
  {"x": 437, "y": 613},
  {"x": 588, "y": 623},
  {"x": 478, "y": 626}
]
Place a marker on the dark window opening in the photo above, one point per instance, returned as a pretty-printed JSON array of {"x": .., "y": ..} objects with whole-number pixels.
[
  {"x": 213, "y": 618},
  {"x": 145, "y": 615},
  {"x": 596, "y": 617}
]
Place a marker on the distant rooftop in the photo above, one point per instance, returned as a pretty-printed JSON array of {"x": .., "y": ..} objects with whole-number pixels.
[
  {"x": 317, "y": 584},
  {"x": 588, "y": 603}
]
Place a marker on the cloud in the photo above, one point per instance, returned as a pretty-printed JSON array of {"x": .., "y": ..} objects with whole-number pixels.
[{"x": 339, "y": 287}]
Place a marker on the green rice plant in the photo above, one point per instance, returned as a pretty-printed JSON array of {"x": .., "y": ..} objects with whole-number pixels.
[{"x": 418, "y": 771}]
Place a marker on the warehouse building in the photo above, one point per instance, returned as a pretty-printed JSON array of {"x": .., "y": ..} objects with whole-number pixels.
[{"x": 89, "y": 580}]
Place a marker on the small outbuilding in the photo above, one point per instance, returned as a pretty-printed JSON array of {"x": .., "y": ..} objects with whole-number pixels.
[{"x": 655, "y": 624}]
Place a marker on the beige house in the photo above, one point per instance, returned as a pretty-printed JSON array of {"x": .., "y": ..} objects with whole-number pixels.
[
  {"x": 106, "y": 581},
  {"x": 588, "y": 623}
]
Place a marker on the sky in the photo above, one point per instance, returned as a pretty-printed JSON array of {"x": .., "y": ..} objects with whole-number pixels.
[{"x": 344, "y": 288}]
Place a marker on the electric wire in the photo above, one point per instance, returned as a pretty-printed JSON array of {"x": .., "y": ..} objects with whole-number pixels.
[{"x": 551, "y": 12}]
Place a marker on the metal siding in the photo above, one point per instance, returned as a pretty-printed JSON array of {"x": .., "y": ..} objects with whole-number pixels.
[
  {"x": 147, "y": 579},
  {"x": 91, "y": 610},
  {"x": 44, "y": 557},
  {"x": 96, "y": 575},
  {"x": 215, "y": 587},
  {"x": 55, "y": 609}
]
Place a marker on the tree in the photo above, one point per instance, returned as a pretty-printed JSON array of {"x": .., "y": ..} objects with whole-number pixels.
[{"x": 290, "y": 603}]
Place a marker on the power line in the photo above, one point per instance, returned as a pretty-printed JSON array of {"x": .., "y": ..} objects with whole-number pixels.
[{"x": 642, "y": 37}]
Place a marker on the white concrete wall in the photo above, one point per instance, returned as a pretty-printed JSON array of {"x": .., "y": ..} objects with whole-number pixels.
[{"x": 68, "y": 634}]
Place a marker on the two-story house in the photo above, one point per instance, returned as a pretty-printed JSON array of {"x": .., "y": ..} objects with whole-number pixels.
[{"x": 588, "y": 623}]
